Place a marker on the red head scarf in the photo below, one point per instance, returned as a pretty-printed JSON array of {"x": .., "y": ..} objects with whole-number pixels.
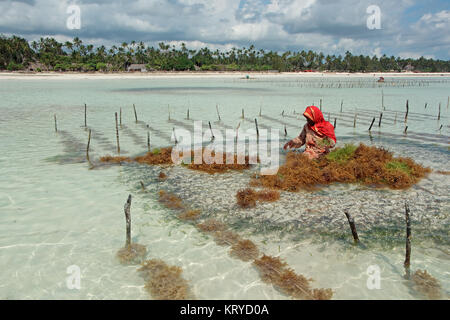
[{"x": 321, "y": 126}]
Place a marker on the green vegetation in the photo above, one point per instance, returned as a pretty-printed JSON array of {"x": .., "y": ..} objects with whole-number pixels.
[
  {"x": 398, "y": 165},
  {"x": 342, "y": 155},
  {"x": 48, "y": 54}
]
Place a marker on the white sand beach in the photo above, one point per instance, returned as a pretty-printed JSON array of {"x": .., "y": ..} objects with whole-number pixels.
[{"x": 149, "y": 75}]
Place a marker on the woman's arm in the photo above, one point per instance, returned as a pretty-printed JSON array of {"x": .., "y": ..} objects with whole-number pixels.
[{"x": 297, "y": 142}]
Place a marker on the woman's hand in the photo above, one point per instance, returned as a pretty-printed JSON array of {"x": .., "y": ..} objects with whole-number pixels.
[{"x": 289, "y": 144}]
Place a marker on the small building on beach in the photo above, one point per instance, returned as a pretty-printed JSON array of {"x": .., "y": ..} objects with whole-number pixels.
[{"x": 137, "y": 68}]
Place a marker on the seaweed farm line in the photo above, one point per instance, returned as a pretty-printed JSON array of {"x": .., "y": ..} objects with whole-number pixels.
[{"x": 63, "y": 209}]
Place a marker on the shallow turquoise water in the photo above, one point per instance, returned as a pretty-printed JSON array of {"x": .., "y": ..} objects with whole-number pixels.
[{"x": 57, "y": 213}]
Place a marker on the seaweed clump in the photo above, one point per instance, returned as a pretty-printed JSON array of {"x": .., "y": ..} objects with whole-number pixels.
[
  {"x": 162, "y": 176},
  {"x": 276, "y": 272},
  {"x": 246, "y": 198},
  {"x": 350, "y": 164},
  {"x": 214, "y": 167},
  {"x": 189, "y": 215},
  {"x": 112, "y": 159},
  {"x": 157, "y": 156},
  {"x": 211, "y": 226},
  {"x": 245, "y": 250},
  {"x": 170, "y": 200},
  {"x": 164, "y": 282},
  {"x": 426, "y": 284},
  {"x": 163, "y": 156},
  {"x": 132, "y": 254}
]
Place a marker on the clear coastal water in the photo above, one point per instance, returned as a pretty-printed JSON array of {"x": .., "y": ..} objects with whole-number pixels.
[{"x": 55, "y": 212}]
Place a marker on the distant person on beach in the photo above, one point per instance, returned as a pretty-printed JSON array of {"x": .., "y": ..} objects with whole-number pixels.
[{"x": 317, "y": 134}]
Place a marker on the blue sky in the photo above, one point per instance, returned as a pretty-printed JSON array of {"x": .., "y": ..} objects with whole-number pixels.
[{"x": 409, "y": 28}]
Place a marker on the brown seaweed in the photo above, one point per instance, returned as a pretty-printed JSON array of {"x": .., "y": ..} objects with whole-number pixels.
[
  {"x": 164, "y": 282},
  {"x": 211, "y": 226},
  {"x": 162, "y": 176},
  {"x": 220, "y": 168},
  {"x": 170, "y": 200},
  {"x": 426, "y": 284},
  {"x": 163, "y": 156},
  {"x": 246, "y": 198},
  {"x": 132, "y": 254},
  {"x": 366, "y": 165},
  {"x": 244, "y": 250},
  {"x": 276, "y": 272},
  {"x": 115, "y": 159},
  {"x": 189, "y": 215},
  {"x": 272, "y": 270}
]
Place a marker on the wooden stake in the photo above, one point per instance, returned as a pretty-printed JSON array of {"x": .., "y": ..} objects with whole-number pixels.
[
  {"x": 282, "y": 114},
  {"x": 88, "y": 144},
  {"x": 406, "y": 129},
  {"x": 85, "y": 115},
  {"x": 128, "y": 220},
  {"x": 354, "y": 121},
  {"x": 334, "y": 123},
  {"x": 135, "y": 114},
  {"x": 407, "y": 262},
  {"x": 210, "y": 129},
  {"x": 320, "y": 104},
  {"x": 381, "y": 117},
  {"x": 407, "y": 111},
  {"x": 117, "y": 135},
  {"x": 187, "y": 114},
  {"x": 352, "y": 226},
  {"x": 142, "y": 186},
  {"x": 218, "y": 114},
  {"x": 168, "y": 110},
  {"x": 426, "y": 105},
  {"x": 148, "y": 141},
  {"x": 373, "y": 120},
  {"x": 257, "y": 129},
  {"x": 242, "y": 113},
  {"x": 285, "y": 131},
  {"x": 260, "y": 111},
  {"x": 120, "y": 117},
  {"x": 342, "y": 101},
  {"x": 56, "y": 126},
  {"x": 439, "y": 114}
]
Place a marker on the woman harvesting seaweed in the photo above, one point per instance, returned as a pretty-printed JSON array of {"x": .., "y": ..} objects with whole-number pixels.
[{"x": 317, "y": 134}]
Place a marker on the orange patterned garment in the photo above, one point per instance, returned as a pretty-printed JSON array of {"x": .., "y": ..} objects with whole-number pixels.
[{"x": 316, "y": 144}]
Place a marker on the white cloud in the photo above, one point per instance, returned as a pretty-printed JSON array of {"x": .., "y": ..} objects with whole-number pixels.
[{"x": 328, "y": 26}]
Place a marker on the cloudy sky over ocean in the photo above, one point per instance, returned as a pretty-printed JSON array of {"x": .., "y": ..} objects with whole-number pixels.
[{"x": 408, "y": 28}]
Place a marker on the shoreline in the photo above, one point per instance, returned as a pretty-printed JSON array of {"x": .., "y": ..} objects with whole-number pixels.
[{"x": 209, "y": 74}]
